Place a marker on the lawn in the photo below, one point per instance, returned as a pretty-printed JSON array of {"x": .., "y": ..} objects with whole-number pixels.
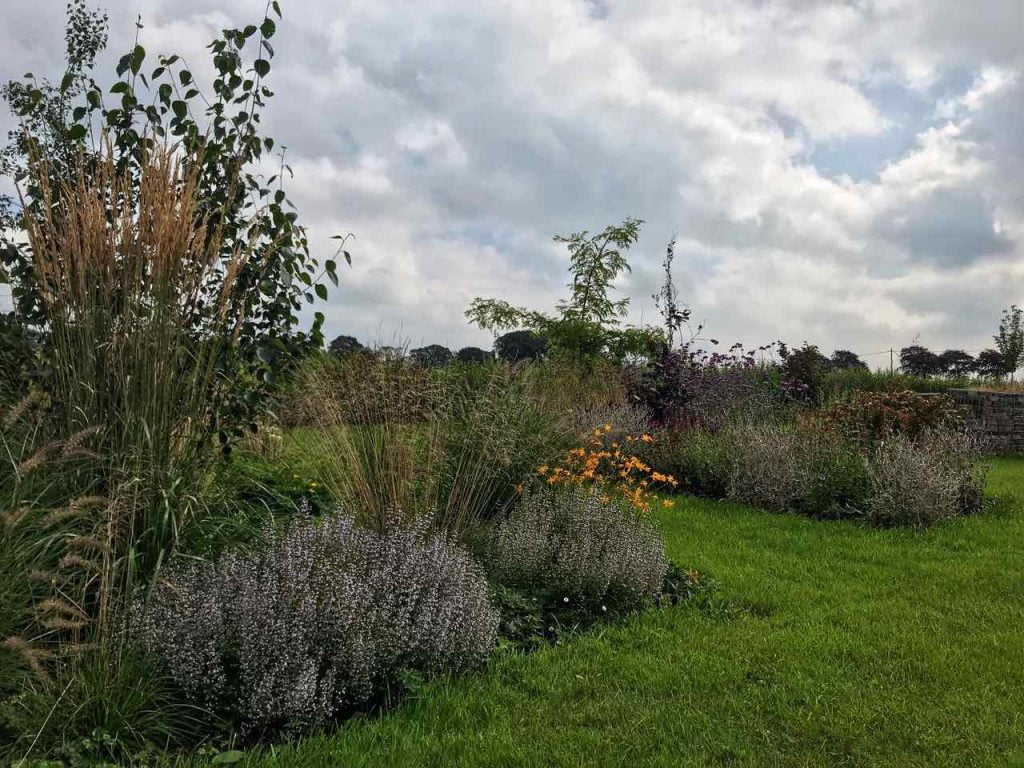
[{"x": 844, "y": 646}]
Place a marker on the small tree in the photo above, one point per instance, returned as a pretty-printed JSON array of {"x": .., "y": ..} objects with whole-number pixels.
[
  {"x": 343, "y": 346},
  {"x": 844, "y": 359},
  {"x": 1010, "y": 339},
  {"x": 586, "y": 325},
  {"x": 919, "y": 361},
  {"x": 990, "y": 364},
  {"x": 956, "y": 362},
  {"x": 431, "y": 356},
  {"x": 473, "y": 355}
]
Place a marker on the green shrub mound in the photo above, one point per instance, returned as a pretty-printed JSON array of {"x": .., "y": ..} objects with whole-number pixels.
[
  {"x": 325, "y": 620},
  {"x": 571, "y": 545}
]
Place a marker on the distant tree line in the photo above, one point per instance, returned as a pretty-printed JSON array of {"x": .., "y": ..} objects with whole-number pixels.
[{"x": 510, "y": 347}]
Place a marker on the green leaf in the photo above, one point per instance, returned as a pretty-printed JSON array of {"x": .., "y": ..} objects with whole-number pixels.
[
  {"x": 228, "y": 758},
  {"x": 138, "y": 55},
  {"x": 262, "y": 67},
  {"x": 180, "y": 108},
  {"x": 321, "y": 291},
  {"x": 67, "y": 81},
  {"x": 76, "y": 132}
]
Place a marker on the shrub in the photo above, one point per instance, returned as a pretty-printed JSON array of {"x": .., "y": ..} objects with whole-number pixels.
[
  {"x": 611, "y": 466},
  {"x": 690, "y": 388},
  {"x": 568, "y": 544},
  {"x": 919, "y": 482},
  {"x": 327, "y": 619},
  {"x": 803, "y": 470},
  {"x": 697, "y": 459},
  {"x": 868, "y": 417}
]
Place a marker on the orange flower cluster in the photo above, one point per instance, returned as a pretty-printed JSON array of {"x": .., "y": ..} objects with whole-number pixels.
[{"x": 607, "y": 463}]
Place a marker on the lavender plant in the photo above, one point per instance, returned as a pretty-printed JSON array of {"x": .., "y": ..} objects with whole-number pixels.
[
  {"x": 572, "y": 544},
  {"x": 324, "y": 621},
  {"x": 919, "y": 482}
]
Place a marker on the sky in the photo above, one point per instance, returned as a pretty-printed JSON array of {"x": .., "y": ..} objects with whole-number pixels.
[{"x": 842, "y": 173}]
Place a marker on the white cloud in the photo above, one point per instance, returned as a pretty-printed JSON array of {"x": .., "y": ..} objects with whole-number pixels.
[{"x": 453, "y": 138}]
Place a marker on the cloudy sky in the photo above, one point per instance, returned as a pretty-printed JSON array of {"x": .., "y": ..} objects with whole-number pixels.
[{"x": 847, "y": 173}]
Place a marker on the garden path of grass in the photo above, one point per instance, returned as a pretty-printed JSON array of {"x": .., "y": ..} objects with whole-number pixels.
[{"x": 859, "y": 648}]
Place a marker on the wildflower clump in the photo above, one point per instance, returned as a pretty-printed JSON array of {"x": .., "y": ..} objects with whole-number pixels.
[
  {"x": 609, "y": 463},
  {"x": 568, "y": 545}
]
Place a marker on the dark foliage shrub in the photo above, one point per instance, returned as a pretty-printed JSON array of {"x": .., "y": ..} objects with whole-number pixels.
[
  {"x": 520, "y": 345},
  {"x": 325, "y": 620},
  {"x": 920, "y": 482},
  {"x": 343, "y": 346},
  {"x": 918, "y": 361},
  {"x": 570, "y": 545},
  {"x": 802, "y": 372},
  {"x": 473, "y": 355},
  {"x": 991, "y": 364},
  {"x": 693, "y": 388},
  {"x": 431, "y": 356},
  {"x": 844, "y": 359},
  {"x": 869, "y": 417},
  {"x": 956, "y": 362}
]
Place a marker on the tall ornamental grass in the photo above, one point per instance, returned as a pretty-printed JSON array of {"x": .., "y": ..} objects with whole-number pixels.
[
  {"x": 389, "y": 435},
  {"x": 103, "y": 462}
]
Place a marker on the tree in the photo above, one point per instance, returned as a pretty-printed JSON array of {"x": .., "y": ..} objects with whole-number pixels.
[
  {"x": 586, "y": 325},
  {"x": 220, "y": 134},
  {"x": 844, "y": 359},
  {"x": 918, "y": 361},
  {"x": 473, "y": 355},
  {"x": 1010, "y": 339},
  {"x": 343, "y": 346},
  {"x": 431, "y": 356},
  {"x": 956, "y": 362},
  {"x": 990, "y": 364},
  {"x": 520, "y": 345}
]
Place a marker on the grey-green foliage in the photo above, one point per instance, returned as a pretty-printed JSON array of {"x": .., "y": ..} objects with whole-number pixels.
[
  {"x": 328, "y": 618},
  {"x": 569, "y": 543},
  {"x": 919, "y": 482}
]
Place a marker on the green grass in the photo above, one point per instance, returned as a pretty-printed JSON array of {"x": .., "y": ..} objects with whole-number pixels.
[{"x": 860, "y": 648}]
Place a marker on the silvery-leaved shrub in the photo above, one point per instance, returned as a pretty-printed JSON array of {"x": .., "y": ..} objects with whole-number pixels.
[
  {"x": 569, "y": 543},
  {"x": 323, "y": 621},
  {"x": 919, "y": 482}
]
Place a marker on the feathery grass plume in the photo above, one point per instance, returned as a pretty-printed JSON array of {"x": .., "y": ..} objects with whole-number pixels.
[
  {"x": 73, "y": 510},
  {"x": 33, "y": 657},
  {"x": 141, "y": 306},
  {"x": 34, "y": 398}
]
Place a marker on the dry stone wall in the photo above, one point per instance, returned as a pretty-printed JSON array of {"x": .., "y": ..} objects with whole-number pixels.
[{"x": 997, "y": 416}]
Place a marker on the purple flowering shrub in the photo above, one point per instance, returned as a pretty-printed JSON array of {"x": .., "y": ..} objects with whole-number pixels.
[
  {"x": 691, "y": 388},
  {"x": 325, "y": 620},
  {"x": 571, "y": 544}
]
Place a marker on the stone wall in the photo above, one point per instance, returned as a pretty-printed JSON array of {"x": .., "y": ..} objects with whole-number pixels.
[{"x": 998, "y": 416}]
